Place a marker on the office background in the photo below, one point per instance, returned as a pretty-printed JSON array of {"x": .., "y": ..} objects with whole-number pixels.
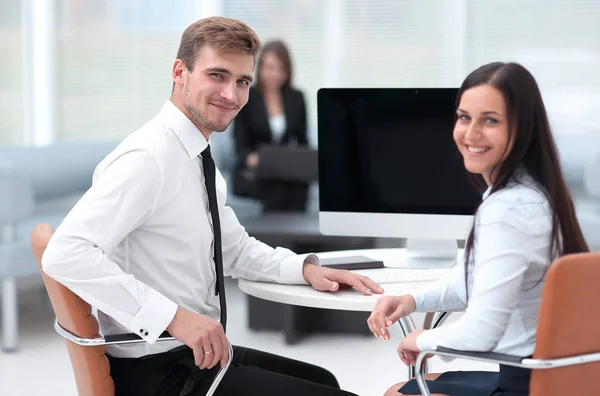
[
  {"x": 84, "y": 69},
  {"x": 75, "y": 70}
]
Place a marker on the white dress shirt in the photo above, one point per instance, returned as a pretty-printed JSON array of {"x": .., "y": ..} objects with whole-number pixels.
[
  {"x": 139, "y": 242},
  {"x": 510, "y": 257}
]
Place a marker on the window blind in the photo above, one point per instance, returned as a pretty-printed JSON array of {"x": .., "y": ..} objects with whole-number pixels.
[
  {"x": 11, "y": 76},
  {"x": 114, "y": 64}
]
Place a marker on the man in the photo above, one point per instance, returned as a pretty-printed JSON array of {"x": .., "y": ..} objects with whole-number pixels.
[{"x": 148, "y": 243}]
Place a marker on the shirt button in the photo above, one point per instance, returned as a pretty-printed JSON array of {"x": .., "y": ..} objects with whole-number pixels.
[{"x": 141, "y": 331}]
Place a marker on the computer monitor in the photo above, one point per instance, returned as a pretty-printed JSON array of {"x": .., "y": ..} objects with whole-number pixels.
[{"x": 389, "y": 167}]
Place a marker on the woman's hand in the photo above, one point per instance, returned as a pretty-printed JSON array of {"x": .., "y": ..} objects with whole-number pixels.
[
  {"x": 252, "y": 160},
  {"x": 407, "y": 350},
  {"x": 387, "y": 311}
]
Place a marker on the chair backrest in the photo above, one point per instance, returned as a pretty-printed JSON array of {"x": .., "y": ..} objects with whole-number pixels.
[
  {"x": 569, "y": 325},
  {"x": 90, "y": 364}
]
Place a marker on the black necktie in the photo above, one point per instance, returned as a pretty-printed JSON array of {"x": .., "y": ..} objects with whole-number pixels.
[{"x": 210, "y": 179}]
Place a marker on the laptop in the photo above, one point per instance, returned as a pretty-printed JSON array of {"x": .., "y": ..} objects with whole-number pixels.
[{"x": 286, "y": 163}]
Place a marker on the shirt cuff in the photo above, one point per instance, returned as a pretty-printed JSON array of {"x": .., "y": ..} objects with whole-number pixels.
[
  {"x": 429, "y": 340},
  {"x": 426, "y": 340},
  {"x": 290, "y": 271},
  {"x": 154, "y": 317},
  {"x": 419, "y": 300}
]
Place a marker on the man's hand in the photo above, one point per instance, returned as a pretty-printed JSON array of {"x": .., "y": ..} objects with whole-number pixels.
[
  {"x": 203, "y": 335},
  {"x": 387, "y": 311},
  {"x": 407, "y": 350},
  {"x": 329, "y": 279}
]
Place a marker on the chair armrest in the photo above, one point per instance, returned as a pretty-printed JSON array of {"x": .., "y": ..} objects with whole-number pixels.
[
  {"x": 131, "y": 338},
  {"x": 498, "y": 358},
  {"x": 221, "y": 373},
  {"x": 489, "y": 357},
  {"x": 113, "y": 339},
  {"x": 492, "y": 357}
]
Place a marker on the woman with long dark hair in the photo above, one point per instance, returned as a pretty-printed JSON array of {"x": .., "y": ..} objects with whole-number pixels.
[
  {"x": 525, "y": 221},
  {"x": 275, "y": 115}
]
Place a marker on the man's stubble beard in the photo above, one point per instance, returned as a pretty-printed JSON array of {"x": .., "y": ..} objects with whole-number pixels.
[{"x": 200, "y": 118}]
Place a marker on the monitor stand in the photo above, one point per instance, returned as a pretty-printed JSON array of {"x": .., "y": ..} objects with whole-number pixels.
[{"x": 426, "y": 254}]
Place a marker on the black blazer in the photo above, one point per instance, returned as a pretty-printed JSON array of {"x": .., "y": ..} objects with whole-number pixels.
[{"x": 251, "y": 125}]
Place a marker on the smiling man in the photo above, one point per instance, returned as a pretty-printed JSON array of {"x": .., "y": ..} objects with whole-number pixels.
[{"x": 150, "y": 241}]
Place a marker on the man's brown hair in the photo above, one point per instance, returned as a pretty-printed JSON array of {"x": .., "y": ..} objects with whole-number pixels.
[{"x": 222, "y": 34}]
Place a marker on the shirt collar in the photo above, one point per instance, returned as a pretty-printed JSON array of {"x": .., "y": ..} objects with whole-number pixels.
[
  {"x": 521, "y": 176},
  {"x": 190, "y": 136},
  {"x": 487, "y": 193}
]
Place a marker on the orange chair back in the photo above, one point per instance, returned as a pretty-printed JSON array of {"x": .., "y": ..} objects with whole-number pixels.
[
  {"x": 569, "y": 325},
  {"x": 90, "y": 364}
]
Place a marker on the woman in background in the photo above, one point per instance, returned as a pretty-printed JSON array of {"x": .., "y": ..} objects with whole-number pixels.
[
  {"x": 525, "y": 221},
  {"x": 276, "y": 115}
]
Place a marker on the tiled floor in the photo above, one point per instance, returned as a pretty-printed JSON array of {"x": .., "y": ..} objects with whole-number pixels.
[{"x": 362, "y": 364}]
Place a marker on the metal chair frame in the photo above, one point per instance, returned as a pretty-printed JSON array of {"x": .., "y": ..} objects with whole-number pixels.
[
  {"x": 131, "y": 338},
  {"x": 499, "y": 358}
]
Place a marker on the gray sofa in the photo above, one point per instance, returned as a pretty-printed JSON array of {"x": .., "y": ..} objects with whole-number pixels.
[
  {"x": 42, "y": 184},
  {"x": 37, "y": 185}
]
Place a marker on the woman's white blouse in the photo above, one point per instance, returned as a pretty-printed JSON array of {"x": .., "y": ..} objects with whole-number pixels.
[
  {"x": 277, "y": 124},
  {"x": 510, "y": 258}
]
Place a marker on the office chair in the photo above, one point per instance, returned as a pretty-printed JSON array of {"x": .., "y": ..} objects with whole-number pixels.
[
  {"x": 566, "y": 360},
  {"x": 75, "y": 322}
]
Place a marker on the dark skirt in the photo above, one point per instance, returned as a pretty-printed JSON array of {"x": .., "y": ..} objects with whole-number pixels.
[{"x": 510, "y": 381}]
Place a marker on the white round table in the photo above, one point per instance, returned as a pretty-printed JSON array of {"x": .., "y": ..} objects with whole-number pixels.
[{"x": 346, "y": 299}]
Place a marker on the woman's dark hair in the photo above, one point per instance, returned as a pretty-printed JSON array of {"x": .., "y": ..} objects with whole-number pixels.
[
  {"x": 279, "y": 49},
  {"x": 533, "y": 150}
]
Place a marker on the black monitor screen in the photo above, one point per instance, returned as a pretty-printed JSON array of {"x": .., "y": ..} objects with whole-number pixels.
[{"x": 391, "y": 151}]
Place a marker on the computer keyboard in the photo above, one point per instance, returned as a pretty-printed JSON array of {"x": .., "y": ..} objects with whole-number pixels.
[{"x": 399, "y": 275}]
